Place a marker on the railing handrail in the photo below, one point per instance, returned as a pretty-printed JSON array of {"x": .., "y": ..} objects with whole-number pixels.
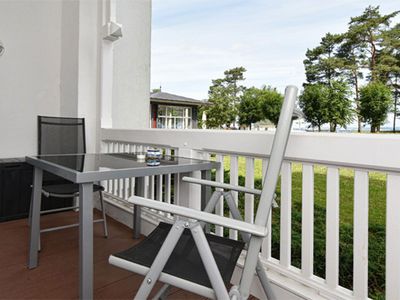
[{"x": 358, "y": 151}]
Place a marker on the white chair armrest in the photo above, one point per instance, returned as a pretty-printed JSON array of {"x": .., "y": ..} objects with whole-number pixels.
[
  {"x": 224, "y": 186},
  {"x": 200, "y": 216}
]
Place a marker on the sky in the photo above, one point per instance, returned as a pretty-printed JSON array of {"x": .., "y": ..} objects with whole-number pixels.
[{"x": 195, "y": 41}]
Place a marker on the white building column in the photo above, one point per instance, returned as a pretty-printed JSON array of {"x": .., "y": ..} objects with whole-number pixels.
[
  {"x": 131, "y": 66},
  {"x": 107, "y": 83},
  {"x": 79, "y": 76}
]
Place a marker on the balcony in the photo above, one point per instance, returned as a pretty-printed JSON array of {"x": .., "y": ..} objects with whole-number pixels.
[
  {"x": 333, "y": 236},
  {"x": 292, "y": 267}
]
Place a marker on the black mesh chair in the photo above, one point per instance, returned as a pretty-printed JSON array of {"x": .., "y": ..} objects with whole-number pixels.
[{"x": 64, "y": 136}]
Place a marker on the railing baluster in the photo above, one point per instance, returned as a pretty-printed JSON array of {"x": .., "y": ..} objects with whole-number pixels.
[
  {"x": 219, "y": 210},
  {"x": 360, "y": 251},
  {"x": 159, "y": 188},
  {"x": 249, "y": 198},
  {"x": 115, "y": 181},
  {"x": 131, "y": 179},
  {"x": 266, "y": 245},
  {"x": 106, "y": 182},
  {"x": 332, "y": 227},
  {"x": 392, "y": 236},
  {"x": 286, "y": 215},
  {"x": 234, "y": 180},
  {"x": 152, "y": 187},
  {"x": 168, "y": 181},
  {"x": 120, "y": 181},
  {"x": 147, "y": 193},
  {"x": 307, "y": 221},
  {"x": 125, "y": 180}
]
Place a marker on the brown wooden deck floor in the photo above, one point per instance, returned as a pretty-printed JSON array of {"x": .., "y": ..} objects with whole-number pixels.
[{"x": 56, "y": 277}]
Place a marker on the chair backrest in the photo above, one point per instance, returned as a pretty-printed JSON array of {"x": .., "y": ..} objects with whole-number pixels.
[
  {"x": 277, "y": 153},
  {"x": 58, "y": 135}
]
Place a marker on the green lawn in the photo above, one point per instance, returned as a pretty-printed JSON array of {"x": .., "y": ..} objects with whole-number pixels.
[{"x": 377, "y": 196}]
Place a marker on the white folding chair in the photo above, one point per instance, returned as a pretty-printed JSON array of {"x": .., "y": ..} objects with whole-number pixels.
[{"x": 183, "y": 255}]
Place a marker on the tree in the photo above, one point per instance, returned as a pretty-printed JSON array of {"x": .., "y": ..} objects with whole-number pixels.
[
  {"x": 260, "y": 104},
  {"x": 339, "y": 108},
  {"x": 250, "y": 107},
  {"x": 375, "y": 103},
  {"x": 313, "y": 103},
  {"x": 323, "y": 103},
  {"x": 366, "y": 31},
  {"x": 271, "y": 102},
  {"x": 157, "y": 90},
  {"x": 352, "y": 60},
  {"x": 224, "y": 97},
  {"x": 388, "y": 65},
  {"x": 321, "y": 63}
]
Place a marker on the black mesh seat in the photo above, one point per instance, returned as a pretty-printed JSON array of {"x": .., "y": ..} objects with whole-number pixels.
[
  {"x": 68, "y": 188},
  {"x": 185, "y": 261}
]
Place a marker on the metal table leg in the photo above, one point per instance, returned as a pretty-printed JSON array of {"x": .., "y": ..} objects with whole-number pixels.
[
  {"x": 86, "y": 240},
  {"x": 139, "y": 191},
  {"x": 205, "y": 194},
  {"x": 35, "y": 218},
  {"x": 205, "y": 190}
]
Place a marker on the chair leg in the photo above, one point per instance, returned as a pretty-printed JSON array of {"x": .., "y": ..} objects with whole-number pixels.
[
  {"x": 162, "y": 294},
  {"x": 262, "y": 275},
  {"x": 40, "y": 243},
  {"x": 265, "y": 283},
  {"x": 76, "y": 204},
  {"x": 104, "y": 215}
]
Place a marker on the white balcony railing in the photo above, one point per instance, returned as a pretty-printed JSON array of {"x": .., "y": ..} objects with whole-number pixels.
[{"x": 359, "y": 152}]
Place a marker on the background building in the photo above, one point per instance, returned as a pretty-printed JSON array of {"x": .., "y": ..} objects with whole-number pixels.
[{"x": 173, "y": 112}]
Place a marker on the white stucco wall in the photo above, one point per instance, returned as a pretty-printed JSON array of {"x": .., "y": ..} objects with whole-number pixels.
[
  {"x": 88, "y": 72},
  {"x": 131, "y": 83},
  {"x": 29, "y": 71},
  {"x": 52, "y": 67}
]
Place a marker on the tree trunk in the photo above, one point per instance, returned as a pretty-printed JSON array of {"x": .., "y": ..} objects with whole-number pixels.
[
  {"x": 319, "y": 128},
  {"x": 373, "y": 58},
  {"x": 373, "y": 129},
  {"x": 396, "y": 95},
  {"x": 332, "y": 127},
  {"x": 394, "y": 112},
  {"x": 357, "y": 102}
]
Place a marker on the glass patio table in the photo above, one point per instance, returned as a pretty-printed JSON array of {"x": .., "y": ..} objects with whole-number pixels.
[{"x": 86, "y": 169}]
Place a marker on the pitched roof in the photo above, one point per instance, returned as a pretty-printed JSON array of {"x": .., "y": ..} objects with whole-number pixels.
[{"x": 176, "y": 99}]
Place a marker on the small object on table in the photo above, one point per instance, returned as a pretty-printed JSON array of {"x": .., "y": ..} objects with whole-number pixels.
[{"x": 153, "y": 157}]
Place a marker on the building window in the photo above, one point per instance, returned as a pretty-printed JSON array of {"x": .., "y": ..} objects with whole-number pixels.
[{"x": 174, "y": 117}]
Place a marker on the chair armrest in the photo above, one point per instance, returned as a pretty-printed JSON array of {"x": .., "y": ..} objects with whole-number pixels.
[
  {"x": 200, "y": 215},
  {"x": 226, "y": 186},
  {"x": 221, "y": 185}
]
